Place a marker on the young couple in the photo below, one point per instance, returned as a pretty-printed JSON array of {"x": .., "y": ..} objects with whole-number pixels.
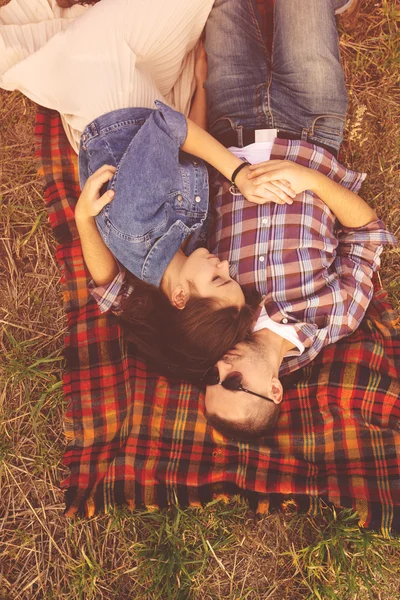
[{"x": 285, "y": 218}]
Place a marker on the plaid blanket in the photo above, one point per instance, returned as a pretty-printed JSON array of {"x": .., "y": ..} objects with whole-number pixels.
[{"x": 135, "y": 438}]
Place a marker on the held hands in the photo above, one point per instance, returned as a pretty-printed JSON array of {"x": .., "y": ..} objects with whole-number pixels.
[
  {"x": 277, "y": 181},
  {"x": 275, "y": 190},
  {"x": 90, "y": 203}
]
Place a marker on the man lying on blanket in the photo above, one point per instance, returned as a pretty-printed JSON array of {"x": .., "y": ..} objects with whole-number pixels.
[{"x": 313, "y": 260}]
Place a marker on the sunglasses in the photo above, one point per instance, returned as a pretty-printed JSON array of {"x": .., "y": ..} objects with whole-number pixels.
[{"x": 233, "y": 382}]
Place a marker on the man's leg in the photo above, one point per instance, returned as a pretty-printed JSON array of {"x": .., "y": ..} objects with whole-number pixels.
[
  {"x": 302, "y": 92},
  {"x": 307, "y": 90},
  {"x": 238, "y": 69}
]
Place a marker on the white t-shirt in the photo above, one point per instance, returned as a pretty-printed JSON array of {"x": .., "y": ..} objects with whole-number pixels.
[
  {"x": 288, "y": 332},
  {"x": 254, "y": 153}
]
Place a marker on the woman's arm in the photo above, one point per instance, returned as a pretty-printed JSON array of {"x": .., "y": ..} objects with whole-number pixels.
[
  {"x": 200, "y": 143},
  {"x": 351, "y": 210},
  {"x": 198, "y": 111},
  {"x": 98, "y": 258}
]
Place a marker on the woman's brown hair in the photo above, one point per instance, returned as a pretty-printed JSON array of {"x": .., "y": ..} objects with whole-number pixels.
[
  {"x": 181, "y": 343},
  {"x": 69, "y": 3}
]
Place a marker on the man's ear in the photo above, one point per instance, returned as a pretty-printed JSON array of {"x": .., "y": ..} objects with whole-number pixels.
[
  {"x": 179, "y": 297},
  {"x": 276, "y": 393}
]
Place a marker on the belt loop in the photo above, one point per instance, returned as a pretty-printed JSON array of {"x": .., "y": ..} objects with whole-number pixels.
[
  {"x": 304, "y": 134},
  {"x": 240, "y": 136}
]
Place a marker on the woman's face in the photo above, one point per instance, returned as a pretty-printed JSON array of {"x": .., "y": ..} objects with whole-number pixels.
[{"x": 210, "y": 278}]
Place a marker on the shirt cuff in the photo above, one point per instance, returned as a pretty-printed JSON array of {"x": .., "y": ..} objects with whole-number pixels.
[
  {"x": 374, "y": 232},
  {"x": 109, "y": 296}
]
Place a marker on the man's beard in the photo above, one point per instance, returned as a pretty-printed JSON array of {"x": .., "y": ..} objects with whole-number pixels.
[{"x": 256, "y": 350}]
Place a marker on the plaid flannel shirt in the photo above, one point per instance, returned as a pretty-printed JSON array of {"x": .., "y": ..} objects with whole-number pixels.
[{"x": 311, "y": 272}]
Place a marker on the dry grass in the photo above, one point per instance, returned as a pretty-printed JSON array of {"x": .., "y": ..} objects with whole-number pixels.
[{"x": 223, "y": 551}]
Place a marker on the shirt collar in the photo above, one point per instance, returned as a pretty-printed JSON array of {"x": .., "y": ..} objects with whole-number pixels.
[{"x": 288, "y": 332}]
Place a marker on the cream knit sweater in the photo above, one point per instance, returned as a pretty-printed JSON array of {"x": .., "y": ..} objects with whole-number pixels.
[{"x": 86, "y": 61}]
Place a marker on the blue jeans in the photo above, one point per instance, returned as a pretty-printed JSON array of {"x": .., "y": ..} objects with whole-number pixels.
[{"x": 299, "y": 89}]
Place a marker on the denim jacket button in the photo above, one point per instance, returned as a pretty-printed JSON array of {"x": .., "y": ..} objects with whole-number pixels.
[
  {"x": 179, "y": 197},
  {"x": 198, "y": 199}
]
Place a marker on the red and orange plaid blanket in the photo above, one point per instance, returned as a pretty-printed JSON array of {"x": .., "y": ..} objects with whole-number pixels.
[{"x": 137, "y": 439}]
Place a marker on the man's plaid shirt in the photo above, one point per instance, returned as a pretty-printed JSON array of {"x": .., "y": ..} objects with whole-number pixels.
[{"x": 312, "y": 272}]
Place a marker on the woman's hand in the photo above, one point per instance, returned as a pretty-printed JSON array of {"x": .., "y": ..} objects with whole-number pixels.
[
  {"x": 201, "y": 65},
  {"x": 297, "y": 177},
  {"x": 276, "y": 190},
  {"x": 90, "y": 203}
]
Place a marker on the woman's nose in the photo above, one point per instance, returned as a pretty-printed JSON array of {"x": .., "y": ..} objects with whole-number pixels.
[{"x": 224, "y": 267}]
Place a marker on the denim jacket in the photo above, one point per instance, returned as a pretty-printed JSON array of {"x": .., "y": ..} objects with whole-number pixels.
[{"x": 161, "y": 192}]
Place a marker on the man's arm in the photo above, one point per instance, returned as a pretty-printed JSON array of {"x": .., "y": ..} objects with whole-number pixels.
[
  {"x": 351, "y": 210},
  {"x": 345, "y": 298}
]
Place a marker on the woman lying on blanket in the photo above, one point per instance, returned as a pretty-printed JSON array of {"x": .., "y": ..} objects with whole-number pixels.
[
  {"x": 119, "y": 66},
  {"x": 152, "y": 220}
]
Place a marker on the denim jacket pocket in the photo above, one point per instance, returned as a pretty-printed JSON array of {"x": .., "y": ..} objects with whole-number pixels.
[{"x": 135, "y": 235}]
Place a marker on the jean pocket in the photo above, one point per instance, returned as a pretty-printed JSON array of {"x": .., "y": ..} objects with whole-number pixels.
[{"x": 331, "y": 125}]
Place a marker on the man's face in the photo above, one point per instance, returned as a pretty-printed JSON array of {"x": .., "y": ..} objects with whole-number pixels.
[{"x": 249, "y": 358}]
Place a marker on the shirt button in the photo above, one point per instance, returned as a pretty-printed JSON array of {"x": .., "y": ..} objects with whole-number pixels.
[
  {"x": 179, "y": 196},
  {"x": 262, "y": 259},
  {"x": 197, "y": 199},
  {"x": 265, "y": 221},
  {"x": 284, "y": 321}
]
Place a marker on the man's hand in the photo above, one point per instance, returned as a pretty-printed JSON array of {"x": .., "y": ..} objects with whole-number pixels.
[
  {"x": 90, "y": 203},
  {"x": 298, "y": 178},
  {"x": 275, "y": 190}
]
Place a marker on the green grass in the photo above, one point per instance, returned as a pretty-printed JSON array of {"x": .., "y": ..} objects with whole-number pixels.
[{"x": 223, "y": 551}]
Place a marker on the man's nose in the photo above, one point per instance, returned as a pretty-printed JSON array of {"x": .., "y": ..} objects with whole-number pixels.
[{"x": 224, "y": 369}]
